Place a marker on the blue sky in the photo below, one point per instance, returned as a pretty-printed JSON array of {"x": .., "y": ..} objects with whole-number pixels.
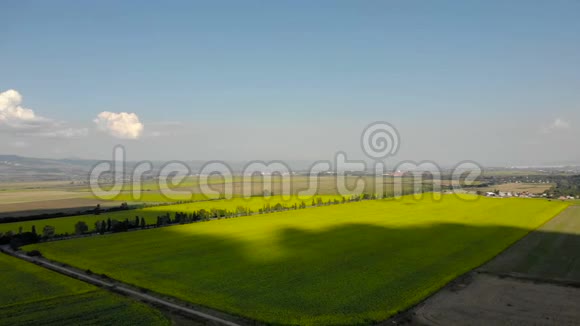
[{"x": 262, "y": 67}]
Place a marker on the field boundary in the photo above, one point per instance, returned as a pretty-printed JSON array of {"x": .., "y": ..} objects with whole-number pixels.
[
  {"x": 110, "y": 283},
  {"x": 120, "y": 288},
  {"x": 524, "y": 277},
  {"x": 463, "y": 280},
  {"x": 152, "y": 226}
]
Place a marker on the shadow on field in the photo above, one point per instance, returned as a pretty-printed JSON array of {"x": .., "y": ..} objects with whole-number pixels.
[
  {"x": 536, "y": 280},
  {"x": 550, "y": 253},
  {"x": 354, "y": 273},
  {"x": 358, "y": 271}
]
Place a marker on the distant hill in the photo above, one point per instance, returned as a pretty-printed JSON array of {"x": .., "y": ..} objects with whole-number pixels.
[{"x": 18, "y": 168}]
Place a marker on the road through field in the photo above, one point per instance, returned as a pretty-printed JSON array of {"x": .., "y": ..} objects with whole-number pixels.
[
  {"x": 116, "y": 287},
  {"x": 354, "y": 263}
]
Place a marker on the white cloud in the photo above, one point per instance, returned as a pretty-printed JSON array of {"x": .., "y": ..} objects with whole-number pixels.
[
  {"x": 18, "y": 120},
  {"x": 558, "y": 124},
  {"x": 121, "y": 125},
  {"x": 12, "y": 113}
]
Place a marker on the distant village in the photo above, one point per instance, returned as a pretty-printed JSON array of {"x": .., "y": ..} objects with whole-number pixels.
[{"x": 524, "y": 194}]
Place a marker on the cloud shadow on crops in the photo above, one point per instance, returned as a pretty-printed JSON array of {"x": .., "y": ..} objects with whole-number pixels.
[{"x": 354, "y": 272}]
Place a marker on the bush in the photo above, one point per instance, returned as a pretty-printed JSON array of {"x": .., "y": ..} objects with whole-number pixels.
[{"x": 33, "y": 253}]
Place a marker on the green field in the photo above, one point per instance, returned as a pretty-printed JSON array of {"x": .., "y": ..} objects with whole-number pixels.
[
  {"x": 342, "y": 264},
  {"x": 67, "y": 224},
  {"x": 189, "y": 188},
  {"x": 31, "y": 295},
  {"x": 158, "y": 197}
]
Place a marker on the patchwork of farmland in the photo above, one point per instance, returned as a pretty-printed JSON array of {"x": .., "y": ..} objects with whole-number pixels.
[
  {"x": 31, "y": 295},
  {"x": 67, "y": 224},
  {"x": 534, "y": 188},
  {"x": 345, "y": 264},
  {"x": 190, "y": 189}
]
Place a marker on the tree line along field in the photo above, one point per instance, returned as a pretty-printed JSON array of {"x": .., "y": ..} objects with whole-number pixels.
[
  {"x": 67, "y": 224},
  {"x": 32, "y": 295},
  {"x": 356, "y": 263}
]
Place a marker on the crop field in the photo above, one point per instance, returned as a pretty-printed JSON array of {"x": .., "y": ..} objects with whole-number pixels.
[
  {"x": 36, "y": 185},
  {"x": 534, "y": 188},
  {"x": 27, "y": 199},
  {"x": 343, "y": 264},
  {"x": 190, "y": 189},
  {"x": 21, "y": 197},
  {"x": 67, "y": 224},
  {"x": 159, "y": 197},
  {"x": 68, "y": 206},
  {"x": 550, "y": 253},
  {"x": 535, "y": 281},
  {"x": 31, "y": 295}
]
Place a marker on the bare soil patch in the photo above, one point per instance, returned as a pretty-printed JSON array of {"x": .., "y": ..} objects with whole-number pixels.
[
  {"x": 534, "y": 282},
  {"x": 534, "y": 188},
  {"x": 552, "y": 252},
  {"x": 21, "y": 197},
  {"x": 490, "y": 300},
  {"x": 67, "y": 206}
]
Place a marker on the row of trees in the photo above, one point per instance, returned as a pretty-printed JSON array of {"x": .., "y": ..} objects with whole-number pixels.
[
  {"x": 23, "y": 238},
  {"x": 566, "y": 186},
  {"x": 112, "y": 225}
]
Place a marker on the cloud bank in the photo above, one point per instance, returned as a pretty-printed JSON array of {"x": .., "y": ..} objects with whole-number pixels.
[{"x": 121, "y": 125}]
